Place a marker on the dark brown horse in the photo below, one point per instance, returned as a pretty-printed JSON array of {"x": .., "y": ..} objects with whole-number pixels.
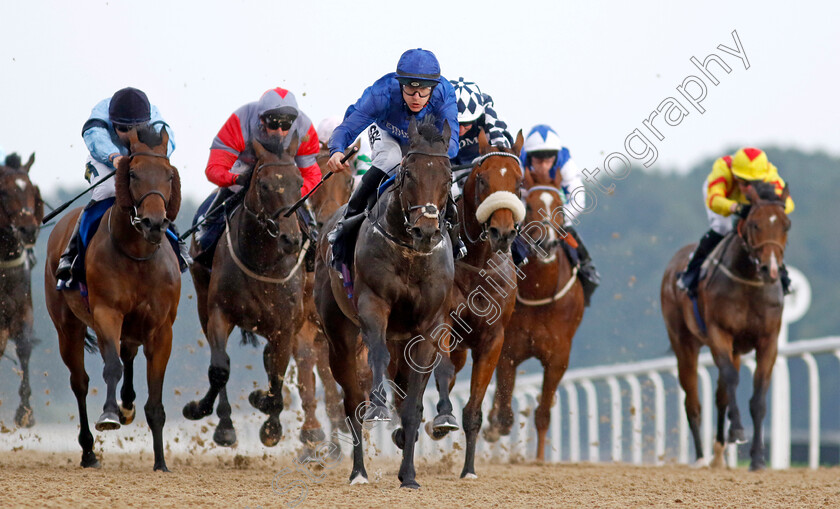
[
  {"x": 256, "y": 283},
  {"x": 311, "y": 349},
  {"x": 403, "y": 275},
  {"x": 484, "y": 293},
  {"x": 133, "y": 290},
  {"x": 21, "y": 211},
  {"x": 549, "y": 309},
  {"x": 740, "y": 302}
]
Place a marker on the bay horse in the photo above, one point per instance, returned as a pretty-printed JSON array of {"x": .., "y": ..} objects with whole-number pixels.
[
  {"x": 740, "y": 302},
  {"x": 133, "y": 290},
  {"x": 21, "y": 211},
  {"x": 402, "y": 278},
  {"x": 484, "y": 293},
  {"x": 311, "y": 348},
  {"x": 549, "y": 309},
  {"x": 256, "y": 283}
]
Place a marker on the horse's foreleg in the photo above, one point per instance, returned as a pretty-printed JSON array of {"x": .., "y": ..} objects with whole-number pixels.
[
  {"x": 276, "y": 356},
  {"x": 157, "y": 357},
  {"x": 108, "y": 327},
  {"x": 722, "y": 403},
  {"x": 127, "y": 394},
  {"x": 71, "y": 341},
  {"x": 501, "y": 415},
  {"x": 332, "y": 398},
  {"x": 411, "y": 412},
  {"x": 23, "y": 347},
  {"x": 721, "y": 346},
  {"x": 444, "y": 421},
  {"x": 765, "y": 359},
  {"x": 218, "y": 330},
  {"x": 687, "y": 353},
  {"x": 373, "y": 315},
  {"x": 542, "y": 416},
  {"x": 484, "y": 363}
]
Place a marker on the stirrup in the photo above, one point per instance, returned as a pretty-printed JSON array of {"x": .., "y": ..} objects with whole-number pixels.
[{"x": 64, "y": 271}]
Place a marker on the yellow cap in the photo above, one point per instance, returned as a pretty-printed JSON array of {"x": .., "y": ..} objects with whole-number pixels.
[{"x": 750, "y": 164}]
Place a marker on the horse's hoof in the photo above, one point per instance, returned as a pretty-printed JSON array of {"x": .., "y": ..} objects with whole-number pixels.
[
  {"x": 226, "y": 437},
  {"x": 492, "y": 434},
  {"x": 358, "y": 478},
  {"x": 700, "y": 463},
  {"x": 89, "y": 460},
  {"x": 469, "y": 476},
  {"x": 161, "y": 467},
  {"x": 718, "y": 459},
  {"x": 313, "y": 436},
  {"x": 377, "y": 413},
  {"x": 194, "y": 412},
  {"x": 108, "y": 421},
  {"x": 445, "y": 423},
  {"x": 24, "y": 418},
  {"x": 270, "y": 432},
  {"x": 412, "y": 484},
  {"x": 757, "y": 466},
  {"x": 127, "y": 414},
  {"x": 737, "y": 436}
]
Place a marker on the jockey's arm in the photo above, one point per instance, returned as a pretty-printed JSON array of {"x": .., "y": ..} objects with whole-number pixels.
[
  {"x": 225, "y": 150},
  {"x": 306, "y": 160},
  {"x": 97, "y": 136},
  {"x": 719, "y": 184},
  {"x": 570, "y": 179},
  {"x": 495, "y": 128}
]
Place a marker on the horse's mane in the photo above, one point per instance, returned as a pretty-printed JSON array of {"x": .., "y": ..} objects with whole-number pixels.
[
  {"x": 766, "y": 190},
  {"x": 13, "y": 161},
  {"x": 429, "y": 131}
]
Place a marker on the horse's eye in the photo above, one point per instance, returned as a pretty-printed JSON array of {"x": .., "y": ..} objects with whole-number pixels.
[
  {"x": 171, "y": 177},
  {"x": 132, "y": 175}
]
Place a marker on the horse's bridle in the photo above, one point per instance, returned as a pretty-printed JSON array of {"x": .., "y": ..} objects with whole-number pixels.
[
  {"x": 745, "y": 237},
  {"x": 429, "y": 210},
  {"x": 482, "y": 236},
  {"x": 547, "y": 222},
  {"x": 135, "y": 220},
  {"x": 262, "y": 217}
]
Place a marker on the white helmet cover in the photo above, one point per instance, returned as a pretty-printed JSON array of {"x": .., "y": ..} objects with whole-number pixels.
[
  {"x": 470, "y": 102},
  {"x": 542, "y": 138}
]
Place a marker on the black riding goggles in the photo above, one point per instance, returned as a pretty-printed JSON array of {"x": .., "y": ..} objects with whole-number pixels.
[{"x": 274, "y": 122}]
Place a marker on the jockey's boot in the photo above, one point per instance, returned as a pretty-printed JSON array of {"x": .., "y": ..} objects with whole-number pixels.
[
  {"x": 459, "y": 249},
  {"x": 309, "y": 228},
  {"x": 687, "y": 280},
  {"x": 64, "y": 271},
  {"x": 785, "y": 279},
  {"x": 356, "y": 205},
  {"x": 589, "y": 277}
]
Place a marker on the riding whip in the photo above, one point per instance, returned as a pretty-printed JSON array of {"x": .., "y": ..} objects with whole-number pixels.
[
  {"x": 210, "y": 213},
  {"x": 329, "y": 174},
  {"x": 63, "y": 206}
]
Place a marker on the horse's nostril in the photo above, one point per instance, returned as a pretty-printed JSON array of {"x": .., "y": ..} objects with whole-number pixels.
[
  {"x": 416, "y": 233},
  {"x": 146, "y": 222},
  {"x": 494, "y": 233}
]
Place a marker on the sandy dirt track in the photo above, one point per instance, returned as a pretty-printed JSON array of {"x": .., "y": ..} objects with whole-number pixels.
[{"x": 36, "y": 479}]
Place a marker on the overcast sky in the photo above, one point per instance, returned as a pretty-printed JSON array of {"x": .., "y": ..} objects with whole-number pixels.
[{"x": 592, "y": 70}]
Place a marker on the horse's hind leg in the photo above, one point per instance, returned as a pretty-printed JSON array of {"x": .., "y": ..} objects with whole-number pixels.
[
  {"x": 373, "y": 315},
  {"x": 722, "y": 403},
  {"x": 687, "y": 354},
  {"x": 310, "y": 432},
  {"x": 411, "y": 412},
  {"x": 554, "y": 370},
  {"x": 721, "y": 346},
  {"x": 218, "y": 330},
  {"x": 765, "y": 359},
  {"x": 23, "y": 347},
  {"x": 276, "y": 356},
  {"x": 157, "y": 357},
  {"x": 71, "y": 340},
  {"x": 484, "y": 364},
  {"x": 127, "y": 394},
  {"x": 332, "y": 398},
  {"x": 500, "y": 419}
]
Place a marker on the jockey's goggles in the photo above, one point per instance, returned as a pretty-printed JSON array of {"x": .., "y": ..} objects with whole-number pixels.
[
  {"x": 274, "y": 122},
  {"x": 542, "y": 154},
  {"x": 124, "y": 128},
  {"x": 421, "y": 92}
]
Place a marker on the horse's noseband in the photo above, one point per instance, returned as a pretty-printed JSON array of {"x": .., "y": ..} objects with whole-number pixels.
[
  {"x": 429, "y": 210},
  {"x": 134, "y": 218},
  {"x": 264, "y": 218}
]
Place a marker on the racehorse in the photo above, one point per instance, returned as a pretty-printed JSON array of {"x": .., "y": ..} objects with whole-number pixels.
[
  {"x": 402, "y": 278},
  {"x": 740, "y": 303},
  {"x": 21, "y": 211},
  {"x": 311, "y": 349},
  {"x": 549, "y": 309},
  {"x": 133, "y": 289},
  {"x": 256, "y": 283},
  {"x": 484, "y": 293}
]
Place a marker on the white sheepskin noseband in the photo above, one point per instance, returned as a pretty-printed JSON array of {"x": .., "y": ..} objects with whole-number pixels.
[{"x": 500, "y": 200}]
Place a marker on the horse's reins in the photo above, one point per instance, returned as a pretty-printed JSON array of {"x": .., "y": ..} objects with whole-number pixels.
[
  {"x": 267, "y": 220},
  {"x": 253, "y": 275}
]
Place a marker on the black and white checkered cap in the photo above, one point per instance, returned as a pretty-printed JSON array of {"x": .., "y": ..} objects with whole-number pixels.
[{"x": 470, "y": 103}]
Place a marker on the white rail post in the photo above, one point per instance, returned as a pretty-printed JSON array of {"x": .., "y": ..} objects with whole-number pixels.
[
  {"x": 636, "y": 418},
  {"x": 659, "y": 410},
  {"x": 574, "y": 422},
  {"x": 592, "y": 408},
  {"x": 615, "y": 418}
]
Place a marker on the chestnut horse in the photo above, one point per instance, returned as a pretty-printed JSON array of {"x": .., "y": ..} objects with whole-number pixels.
[
  {"x": 549, "y": 309},
  {"x": 256, "y": 283},
  {"x": 484, "y": 293},
  {"x": 133, "y": 290},
  {"x": 311, "y": 349},
  {"x": 21, "y": 211},
  {"x": 403, "y": 275},
  {"x": 740, "y": 302}
]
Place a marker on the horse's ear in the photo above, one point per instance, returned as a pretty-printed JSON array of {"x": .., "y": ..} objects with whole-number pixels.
[
  {"x": 294, "y": 144},
  {"x": 528, "y": 177},
  {"x": 447, "y": 133},
  {"x": 39, "y": 204},
  {"x": 483, "y": 145},
  {"x": 259, "y": 149},
  {"x": 785, "y": 193},
  {"x": 412, "y": 128},
  {"x": 29, "y": 163},
  {"x": 133, "y": 139},
  {"x": 164, "y": 139},
  {"x": 751, "y": 194},
  {"x": 174, "y": 196},
  {"x": 517, "y": 145}
]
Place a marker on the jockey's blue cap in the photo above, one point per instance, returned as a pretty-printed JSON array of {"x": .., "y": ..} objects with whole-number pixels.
[
  {"x": 418, "y": 68},
  {"x": 129, "y": 107}
]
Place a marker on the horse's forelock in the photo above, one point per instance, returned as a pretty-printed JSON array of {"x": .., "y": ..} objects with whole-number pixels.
[
  {"x": 428, "y": 131},
  {"x": 766, "y": 191}
]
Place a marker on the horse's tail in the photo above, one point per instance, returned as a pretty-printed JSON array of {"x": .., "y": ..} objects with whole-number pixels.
[
  {"x": 91, "y": 345},
  {"x": 249, "y": 338}
]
